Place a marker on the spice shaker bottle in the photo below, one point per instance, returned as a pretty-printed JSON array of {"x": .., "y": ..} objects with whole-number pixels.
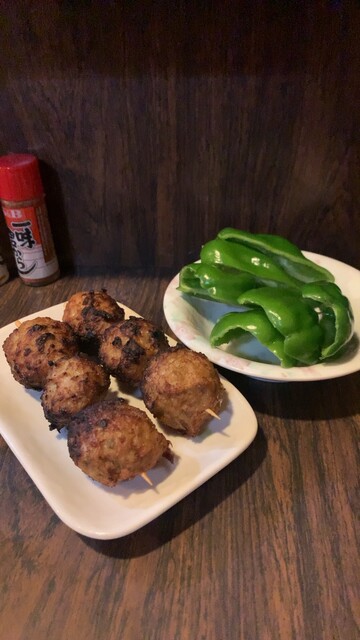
[
  {"x": 4, "y": 274},
  {"x": 23, "y": 203}
]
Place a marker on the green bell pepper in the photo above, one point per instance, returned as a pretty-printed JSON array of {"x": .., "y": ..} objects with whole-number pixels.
[
  {"x": 293, "y": 317},
  {"x": 212, "y": 283},
  {"x": 336, "y": 315},
  {"x": 235, "y": 324},
  {"x": 282, "y": 252},
  {"x": 296, "y": 310},
  {"x": 241, "y": 258}
]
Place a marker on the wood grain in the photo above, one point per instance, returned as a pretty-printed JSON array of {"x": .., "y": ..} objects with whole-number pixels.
[
  {"x": 159, "y": 123},
  {"x": 268, "y": 548}
]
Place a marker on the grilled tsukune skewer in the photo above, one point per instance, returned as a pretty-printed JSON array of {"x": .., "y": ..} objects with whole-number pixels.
[
  {"x": 112, "y": 441},
  {"x": 72, "y": 384},
  {"x": 89, "y": 313},
  {"x": 179, "y": 387},
  {"x": 126, "y": 348},
  {"x": 35, "y": 346}
]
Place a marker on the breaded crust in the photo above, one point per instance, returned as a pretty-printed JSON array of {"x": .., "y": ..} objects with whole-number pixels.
[
  {"x": 32, "y": 349},
  {"x": 72, "y": 384},
  {"x": 126, "y": 348},
  {"x": 89, "y": 313},
  {"x": 112, "y": 441},
  {"x": 178, "y": 386}
]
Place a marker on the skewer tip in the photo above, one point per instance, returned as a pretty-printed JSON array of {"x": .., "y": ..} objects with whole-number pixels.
[
  {"x": 17, "y": 323},
  {"x": 213, "y": 414},
  {"x": 147, "y": 479}
]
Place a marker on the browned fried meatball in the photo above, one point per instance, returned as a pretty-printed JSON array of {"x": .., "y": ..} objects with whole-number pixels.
[
  {"x": 32, "y": 348},
  {"x": 112, "y": 441},
  {"x": 89, "y": 313},
  {"x": 127, "y": 347},
  {"x": 178, "y": 386},
  {"x": 72, "y": 384}
]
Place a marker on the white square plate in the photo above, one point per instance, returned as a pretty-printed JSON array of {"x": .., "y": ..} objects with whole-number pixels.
[{"x": 92, "y": 509}]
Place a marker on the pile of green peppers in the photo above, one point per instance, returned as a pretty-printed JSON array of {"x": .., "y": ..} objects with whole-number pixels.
[{"x": 292, "y": 305}]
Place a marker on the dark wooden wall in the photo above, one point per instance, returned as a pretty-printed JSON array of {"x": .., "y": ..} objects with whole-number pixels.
[{"x": 158, "y": 123}]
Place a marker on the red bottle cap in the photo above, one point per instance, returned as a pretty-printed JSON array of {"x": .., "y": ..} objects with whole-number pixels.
[{"x": 20, "y": 177}]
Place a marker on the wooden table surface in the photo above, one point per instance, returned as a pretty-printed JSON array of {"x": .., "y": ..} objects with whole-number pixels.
[{"x": 268, "y": 549}]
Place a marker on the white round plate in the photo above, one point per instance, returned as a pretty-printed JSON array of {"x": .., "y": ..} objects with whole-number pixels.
[{"x": 192, "y": 319}]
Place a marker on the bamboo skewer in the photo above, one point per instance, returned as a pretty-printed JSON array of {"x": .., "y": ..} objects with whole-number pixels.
[
  {"x": 147, "y": 479},
  {"x": 17, "y": 323},
  {"x": 213, "y": 414}
]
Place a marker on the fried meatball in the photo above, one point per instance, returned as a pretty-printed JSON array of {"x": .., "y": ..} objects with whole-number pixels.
[
  {"x": 72, "y": 384},
  {"x": 89, "y": 313},
  {"x": 178, "y": 386},
  {"x": 32, "y": 348},
  {"x": 112, "y": 441},
  {"x": 127, "y": 347}
]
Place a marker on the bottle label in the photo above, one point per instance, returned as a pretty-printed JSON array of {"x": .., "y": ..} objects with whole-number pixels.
[{"x": 31, "y": 241}]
